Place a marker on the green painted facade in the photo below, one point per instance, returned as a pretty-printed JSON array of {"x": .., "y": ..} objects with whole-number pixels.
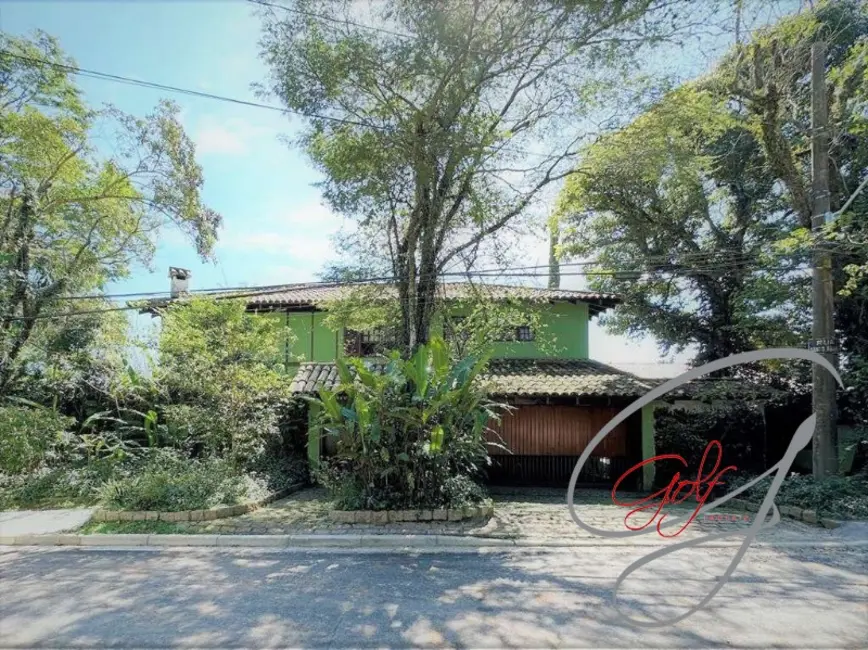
[
  {"x": 563, "y": 335},
  {"x": 311, "y": 339}
]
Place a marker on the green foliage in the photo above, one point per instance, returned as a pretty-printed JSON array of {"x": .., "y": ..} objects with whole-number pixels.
[
  {"x": 842, "y": 497},
  {"x": 170, "y": 483},
  {"x": 75, "y": 220},
  {"x": 222, "y": 371},
  {"x": 681, "y": 215},
  {"x": 361, "y": 308},
  {"x": 739, "y": 428},
  {"x": 416, "y": 128},
  {"x": 699, "y": 210},
  {"x": 411, "y": 435},
  {"x": 68, "y": 483},
  {"x": 27, "y": 436},
  {"x": 470, "y": 326}
]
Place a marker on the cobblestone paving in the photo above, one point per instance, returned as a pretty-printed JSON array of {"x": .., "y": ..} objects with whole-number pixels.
[{"x": 533, "y": 513}]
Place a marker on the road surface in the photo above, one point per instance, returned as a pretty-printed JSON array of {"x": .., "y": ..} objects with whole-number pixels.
[{"x": 791, "y": 597}]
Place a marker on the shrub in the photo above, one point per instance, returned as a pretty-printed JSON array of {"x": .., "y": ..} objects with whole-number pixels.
[
  {"x": 169, "y": 482},
  {"x": 842, "y": 497},
  {"x": 27, "y": 435},
  {"x": 222, "y": 369},
  {"x": 738, "y": 427},
  {"x": 411, "y": 436},
  {"x": 60, "y": 485}
]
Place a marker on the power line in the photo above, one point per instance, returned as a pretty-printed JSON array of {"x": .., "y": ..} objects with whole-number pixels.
[
  {"x": 106, "y": 76},
  {"x": 273, "y": 289},
  {"x": 702, "y": 262},
  {"x": 698, "y": 261},
  {"x": 331, "y": 19},
  {"x": 95, "y": 74}
]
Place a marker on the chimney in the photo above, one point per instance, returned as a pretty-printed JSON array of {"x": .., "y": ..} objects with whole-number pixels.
[{"x": 180, "y": 281}]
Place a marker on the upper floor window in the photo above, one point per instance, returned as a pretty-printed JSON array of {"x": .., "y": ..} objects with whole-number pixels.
[
  {"x": 521, "y": 333},
  {"x": 455, "y": 330},
  {"x": 369, "y": 343},
  {"x": 524, "y": 333}
]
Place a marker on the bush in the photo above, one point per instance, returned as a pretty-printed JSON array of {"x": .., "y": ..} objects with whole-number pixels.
[
  {"x": 841, "y": 497},
  {"x": 169, "y": 482},
  {"x": 739, "y": 428},
  {"x": 411, "y": 436},
  {"x": 27, "y": 435},
  {"x": 62, "y": 485},
  {"x": 222, "y": 370}
]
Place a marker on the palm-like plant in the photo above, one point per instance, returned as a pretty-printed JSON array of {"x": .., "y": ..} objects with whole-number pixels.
[{"x": 410, "y": 433}]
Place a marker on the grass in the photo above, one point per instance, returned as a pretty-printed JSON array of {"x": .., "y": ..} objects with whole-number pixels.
[{"x": 126, "y": 527}]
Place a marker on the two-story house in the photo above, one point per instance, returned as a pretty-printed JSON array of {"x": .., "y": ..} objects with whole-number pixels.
[{"x": 561, "y": 397}]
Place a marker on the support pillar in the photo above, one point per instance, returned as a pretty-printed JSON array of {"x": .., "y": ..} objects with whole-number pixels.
[{"x": 648, "y": 447}]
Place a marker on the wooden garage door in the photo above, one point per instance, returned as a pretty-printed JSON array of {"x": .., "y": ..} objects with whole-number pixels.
[{"x": 558, "y": 431}]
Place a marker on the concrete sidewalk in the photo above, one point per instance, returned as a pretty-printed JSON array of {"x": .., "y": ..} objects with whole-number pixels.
[{"x": 15, "y": 523}]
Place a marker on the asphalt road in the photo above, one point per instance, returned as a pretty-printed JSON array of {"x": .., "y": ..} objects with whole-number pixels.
[{"x": 232, "y": 598}]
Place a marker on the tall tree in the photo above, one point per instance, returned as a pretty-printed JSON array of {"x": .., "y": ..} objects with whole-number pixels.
[
  {"x": 679, "y": 214},
  {"x": 421, "y": 114},
  {"x": 720, "y": 171},
  {"x": 72, "y": 219}
]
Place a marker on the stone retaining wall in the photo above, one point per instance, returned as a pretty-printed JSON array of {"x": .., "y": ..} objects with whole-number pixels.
[
  {"x": 389, "y": 516},
  {"x": 193, "y": 515},
  {"x": 807, "y": 516}
]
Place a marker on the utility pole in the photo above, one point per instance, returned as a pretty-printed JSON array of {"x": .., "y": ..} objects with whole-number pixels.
[
  {"x": 554, "y": 266},
  {"x": 825, "y": 444}
]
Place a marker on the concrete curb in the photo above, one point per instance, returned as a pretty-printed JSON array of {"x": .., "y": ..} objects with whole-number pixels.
[
  {"x": 358, "y": 542},
  {"x": 805, "y": 516}
]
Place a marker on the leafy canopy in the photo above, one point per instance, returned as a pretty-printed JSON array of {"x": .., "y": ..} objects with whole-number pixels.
[
  {"x": 422, "y": 126},
  {"x": 75, "y": 215}
]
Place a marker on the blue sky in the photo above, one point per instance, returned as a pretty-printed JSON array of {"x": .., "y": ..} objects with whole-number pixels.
[{"x": 275, "y": 228}]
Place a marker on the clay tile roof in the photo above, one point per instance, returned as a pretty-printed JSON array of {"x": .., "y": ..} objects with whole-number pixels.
[
  {"x": 309, "y": 295},
  {"x": 561, "y": 377},
  {"x": 517, "y": 377}
]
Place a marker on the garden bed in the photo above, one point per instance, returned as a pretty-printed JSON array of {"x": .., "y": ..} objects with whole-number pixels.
[
  {"x": 193, "y": 515},
  {"x": 390, "y": 516}
]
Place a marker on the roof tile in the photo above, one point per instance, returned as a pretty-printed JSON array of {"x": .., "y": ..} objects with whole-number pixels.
[
  {"x": 300, "y": 295},
  {"x": 517, "y": 377}
]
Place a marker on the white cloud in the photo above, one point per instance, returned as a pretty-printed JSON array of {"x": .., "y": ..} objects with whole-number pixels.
[
  {"x": 214, "y": 135},
  {"x": 302, "y": 237}
]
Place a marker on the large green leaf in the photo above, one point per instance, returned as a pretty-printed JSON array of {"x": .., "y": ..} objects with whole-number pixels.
[
  {"x": 439, "y": 357},
  {"x": 437, "y": 435},
  {"x": 329, "y": 401},
  {"x": 346, "y": 376}
]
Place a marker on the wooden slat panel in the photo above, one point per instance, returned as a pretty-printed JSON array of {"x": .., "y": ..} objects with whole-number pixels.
[{"x": 558, "y": 431}]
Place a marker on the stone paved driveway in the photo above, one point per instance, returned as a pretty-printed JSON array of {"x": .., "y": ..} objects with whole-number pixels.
[{"x": 534, "y": 513}]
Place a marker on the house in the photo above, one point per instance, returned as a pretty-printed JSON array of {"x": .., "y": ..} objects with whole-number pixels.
[{"x": 561, "y": 399}]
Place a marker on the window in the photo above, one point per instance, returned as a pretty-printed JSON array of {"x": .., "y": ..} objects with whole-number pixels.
[
  {"x": 524, "y": 333},
  {"x": 521, "y": 333},
  {"x": 370, "y": 343}
]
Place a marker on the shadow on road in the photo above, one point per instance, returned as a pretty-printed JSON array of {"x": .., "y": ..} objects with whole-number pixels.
[{"x": 74, "y": 598}]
